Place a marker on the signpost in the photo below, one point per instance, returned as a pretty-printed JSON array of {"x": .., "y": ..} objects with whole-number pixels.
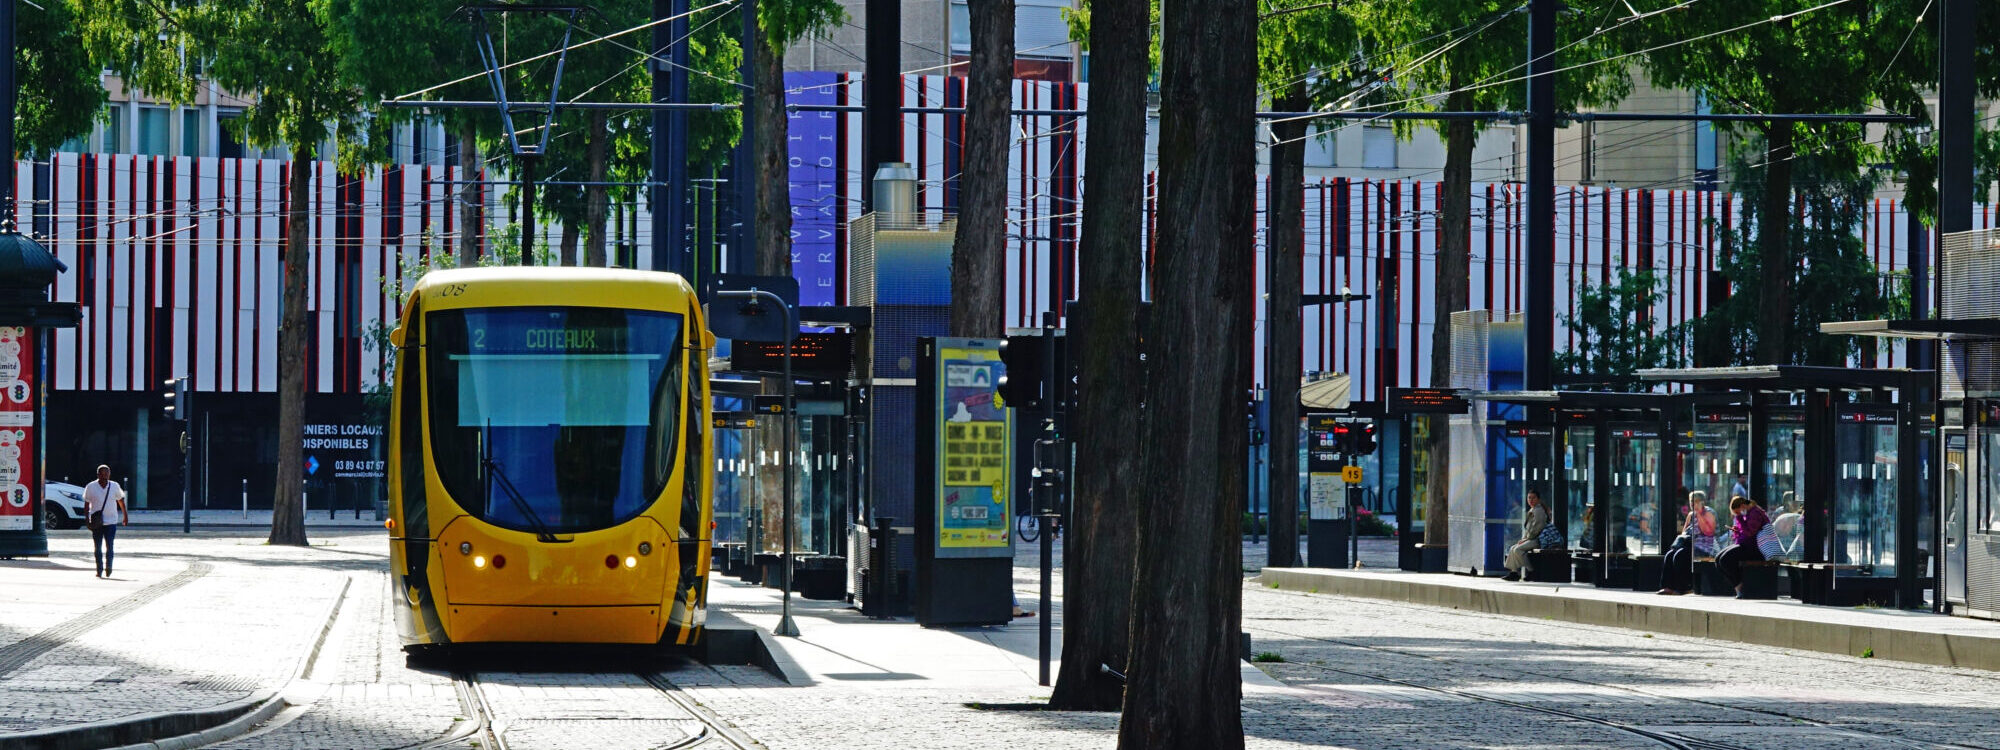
[{"x": 742, "y": 314}]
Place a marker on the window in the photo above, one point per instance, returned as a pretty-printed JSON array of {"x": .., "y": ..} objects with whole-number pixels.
[
  {"x": 420, "y": 152},
  {"x": 1989, "y": 456},
  {"x": 961, "y": 29},
  {"x": 190, "y": 132},
  {"x": 114, "y": 131},
  {"x": 227, "y": 145},
  {"x": 1378, "y": 147},
  {"x": 155, "y": 132},
  {"x": 1319, "y": 146}
]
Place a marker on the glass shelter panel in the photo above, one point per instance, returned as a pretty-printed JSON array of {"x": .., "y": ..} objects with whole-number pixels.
[
  {"x": 1784, "y": 444},
  {"x": 1864, "y": 503},
  {"x": 1634, "y": 494},
  {"x": 1579, "y": 462}
]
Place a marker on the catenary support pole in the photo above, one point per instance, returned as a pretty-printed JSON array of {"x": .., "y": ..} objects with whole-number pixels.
[
  {"x": 669, "y": 171},
  {"x": 881, "y": 93},
  {"x": 1955, "y": 125},
  {"x": 786, "y": 626},
  {"x": 1541, "y": 194},
  {"x": 1047, "y": 485}
]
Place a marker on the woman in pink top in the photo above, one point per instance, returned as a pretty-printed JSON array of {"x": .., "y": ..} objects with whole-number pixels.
[{"x": 1750, "y": 519}]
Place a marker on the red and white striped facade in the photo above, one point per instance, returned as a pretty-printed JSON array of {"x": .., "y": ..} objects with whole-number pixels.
[{"x": 177, "y": 260}]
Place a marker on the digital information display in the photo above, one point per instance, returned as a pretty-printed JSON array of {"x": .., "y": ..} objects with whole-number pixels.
[
  {"x": 1427, "y": 401},
  {"x": 974, "y": 463}
]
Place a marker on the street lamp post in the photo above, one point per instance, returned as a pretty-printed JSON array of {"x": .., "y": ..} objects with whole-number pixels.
[{"x": 755, "y": 296}]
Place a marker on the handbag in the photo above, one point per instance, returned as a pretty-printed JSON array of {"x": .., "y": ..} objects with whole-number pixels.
[
  {"x": 1550, "y": 538},
  {"x": 96, "y": 520},
  {"x": 1767, "y": 543}
]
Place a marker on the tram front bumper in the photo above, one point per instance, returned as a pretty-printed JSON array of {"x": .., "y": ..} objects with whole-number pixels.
[{"x": 478, "y": 623}]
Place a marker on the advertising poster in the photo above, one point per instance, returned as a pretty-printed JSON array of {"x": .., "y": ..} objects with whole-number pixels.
[
  {"x": 814, "y": 177},
  {"x": 17, "y": 429},
  {"x": 973, "y": 513}
]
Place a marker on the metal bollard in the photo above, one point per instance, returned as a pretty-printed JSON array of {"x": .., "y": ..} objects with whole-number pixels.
[
  {"x": 882, "y": 566},
  {"x": 246, "y": 497}
]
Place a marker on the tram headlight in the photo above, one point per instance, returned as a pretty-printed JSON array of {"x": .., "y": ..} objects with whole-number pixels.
[
  {"x": 645, "y": 548},
  {"x": 479, "y": 562},
  {"x": 465, "y": 548},
  {"x": 631, "y": 562}
]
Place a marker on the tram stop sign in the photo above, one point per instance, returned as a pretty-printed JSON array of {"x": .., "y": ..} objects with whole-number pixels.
[{"x": 1351, "y": 474}]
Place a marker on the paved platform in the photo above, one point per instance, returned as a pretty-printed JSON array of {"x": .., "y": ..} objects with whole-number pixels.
[{"x": 1900, "y": 635}]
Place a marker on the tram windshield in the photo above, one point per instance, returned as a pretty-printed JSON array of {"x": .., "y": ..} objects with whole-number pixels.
[{"x": 554, "y": 419}]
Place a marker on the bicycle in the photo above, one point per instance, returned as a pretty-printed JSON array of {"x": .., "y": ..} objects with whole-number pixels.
[{"x": 1027, "y": 528}]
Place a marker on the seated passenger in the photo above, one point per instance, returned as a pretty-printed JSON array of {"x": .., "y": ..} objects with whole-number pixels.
[
  {"x": 1531, "y": 533},
  {"x": 1750, "y": 519},
  {"x": 1788, "y": 526},
  {"x": 1697, "y": 537}
]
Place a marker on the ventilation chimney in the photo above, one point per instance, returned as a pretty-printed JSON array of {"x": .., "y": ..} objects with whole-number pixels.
[{"x": 896, "y": 189}]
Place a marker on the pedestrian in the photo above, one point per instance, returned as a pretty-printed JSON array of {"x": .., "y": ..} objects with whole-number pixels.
[
  {"x": 104, "y": 506},
  {"x": 1750, "y": 519},
  {"x": 1697, "y": 535},
  {"x": 1531, "y": 534}
]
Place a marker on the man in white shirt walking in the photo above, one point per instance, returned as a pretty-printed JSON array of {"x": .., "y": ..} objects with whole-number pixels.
[{"x": 104, "y": 505}]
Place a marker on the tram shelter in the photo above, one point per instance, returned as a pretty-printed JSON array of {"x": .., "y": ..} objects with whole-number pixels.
[{"x": 1827, "y": 447}]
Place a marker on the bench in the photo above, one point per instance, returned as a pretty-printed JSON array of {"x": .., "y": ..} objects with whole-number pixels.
[
  {"x": 1822, "y": 583},
  {"x": 1760, "y": 579},
  {"x": 1551, "y": 565}
]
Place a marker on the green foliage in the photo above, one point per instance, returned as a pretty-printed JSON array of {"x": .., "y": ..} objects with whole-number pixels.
[
  {"x": 1832, "y": 278},
  {"x": 787, "y": 21},
  {"x": 1268, "y": 656},
  {"x": 1468, "y": 54},
  {"x": 60, "y": 91},
  {"x": 282, "y": 51},
  {"x": 1617, "y": 334}
]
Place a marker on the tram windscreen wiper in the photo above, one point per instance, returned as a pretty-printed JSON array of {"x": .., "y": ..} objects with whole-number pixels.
[{"x": 542, "y": 533}]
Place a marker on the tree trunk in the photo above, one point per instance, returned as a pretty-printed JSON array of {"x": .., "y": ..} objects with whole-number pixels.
[
  {"x": 1453, "y": 295},
  {"x": 1774, "y": 223},
  {"x": 468, "y": 196},
  {"x": 288, "y": 511},
  {"x": 1284, "y": 273},
  {"x": 594, "y": 200},
  {"x": 774, "y": 211},
  {"x": 1103, "y": 523},
  {"x": 566, "y": 246},
  {"x": 1183, "y": 688},
  {"x": 977, "y": 274}
]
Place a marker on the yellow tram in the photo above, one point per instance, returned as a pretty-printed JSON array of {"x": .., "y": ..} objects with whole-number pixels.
[{"x": 547, "y": 458}]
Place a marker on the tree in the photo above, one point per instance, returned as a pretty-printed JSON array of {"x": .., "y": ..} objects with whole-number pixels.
[
  {"x": 1298, "y": 41},
  {"x": 283, "y": 50},
  {"x": 1102, "y": 542},
  {"x": 1444, "y": 54},
  {"x": 61, "y": 92},
  {"x": 977, "y": 274},
  {"x": 779, "y": 23},
  {"x": 1616, "y": 332},
  {"x": 390, "y": 48},
  {"x": 1825, "y": 263},
  {"x": 1785, "y": 56},
  {"x": 1183, "y": 688}
]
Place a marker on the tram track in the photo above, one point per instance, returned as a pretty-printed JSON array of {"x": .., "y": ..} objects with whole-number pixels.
[
  {"x": 486, "y": 727},
  {"x": 1666, "y": 739}
]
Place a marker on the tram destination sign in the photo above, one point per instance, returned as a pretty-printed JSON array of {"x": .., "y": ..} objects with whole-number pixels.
[
  {"x": 1428, "y": 401},
  {"x": 828, "y": 354}
]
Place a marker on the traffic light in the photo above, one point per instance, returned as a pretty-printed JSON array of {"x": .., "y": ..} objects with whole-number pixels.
[
  {"x": 1343, "y": 438},
  {"x": 175, "y": 394},
  {"x": 1021, "y": 385},
  {"x": 1364, "y": 439}
]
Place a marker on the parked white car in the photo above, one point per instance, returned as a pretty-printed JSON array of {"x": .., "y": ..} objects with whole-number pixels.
[{"x": 62, "y": 505}]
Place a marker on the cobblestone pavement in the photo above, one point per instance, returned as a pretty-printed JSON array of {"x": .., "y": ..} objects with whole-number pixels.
[
  {"x": 237, "y": 622},
  {"x": 1355, "y": 673},
  {"x": 1506, "y": 674}
]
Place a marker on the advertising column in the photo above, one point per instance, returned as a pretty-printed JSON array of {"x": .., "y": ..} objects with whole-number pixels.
[
  {"x": 18, "y": 469},
  {"x": 965, "y": 546}
]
